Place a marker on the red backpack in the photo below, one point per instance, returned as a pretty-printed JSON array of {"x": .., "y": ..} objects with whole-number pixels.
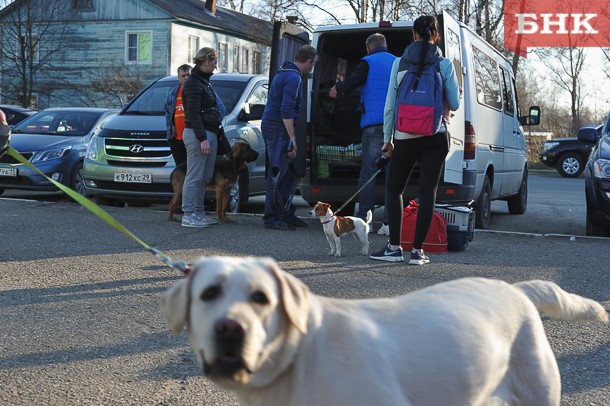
[{"x": 436, "y": 240}]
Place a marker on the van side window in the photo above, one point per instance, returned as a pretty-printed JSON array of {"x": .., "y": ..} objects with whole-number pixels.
[
  {"x": 487, "y": 80},
  {"x": 454, "y": 54},
  {"x": 259, "y": 96},
  {"x": 507, "y": 93}
]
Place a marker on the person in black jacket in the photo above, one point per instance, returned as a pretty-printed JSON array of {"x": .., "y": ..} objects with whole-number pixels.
[{"x": 202, "y": 120}]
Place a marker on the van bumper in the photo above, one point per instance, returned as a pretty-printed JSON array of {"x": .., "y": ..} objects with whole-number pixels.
[{"x": 99, "y": 181}]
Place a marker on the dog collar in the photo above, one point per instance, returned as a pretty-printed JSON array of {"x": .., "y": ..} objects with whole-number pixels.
[{"x": 329, "y": 220}]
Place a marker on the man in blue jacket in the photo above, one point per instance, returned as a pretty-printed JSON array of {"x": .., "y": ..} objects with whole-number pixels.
[
  {"x": 278, "y": 127},
  {"x": 373, "y": 75}
]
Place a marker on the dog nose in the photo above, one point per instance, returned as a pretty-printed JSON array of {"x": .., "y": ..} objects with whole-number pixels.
[{"x": 229, "y": 329}]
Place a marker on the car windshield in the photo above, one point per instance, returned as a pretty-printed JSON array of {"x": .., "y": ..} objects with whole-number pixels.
[
  {"x": 229, "y": 91},
  {"x": 152, "y": 101},
  {"x": 58, "y": 122}
]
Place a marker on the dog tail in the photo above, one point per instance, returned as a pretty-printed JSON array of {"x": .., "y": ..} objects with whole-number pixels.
[
  {"x": 559, "y": 304},
  {"x": 369, "y": 217}
]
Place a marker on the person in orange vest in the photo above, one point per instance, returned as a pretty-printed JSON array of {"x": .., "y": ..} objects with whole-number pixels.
[{"x": 174, "y": 117}]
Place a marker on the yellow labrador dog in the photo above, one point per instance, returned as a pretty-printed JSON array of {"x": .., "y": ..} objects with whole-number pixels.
[{"x": 260, "y": 332}]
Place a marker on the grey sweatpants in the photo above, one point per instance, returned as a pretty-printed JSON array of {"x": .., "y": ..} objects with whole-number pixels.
[{"x": 199, "y": 171}]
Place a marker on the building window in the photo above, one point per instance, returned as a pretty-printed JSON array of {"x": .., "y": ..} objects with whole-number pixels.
[
  {"x": 138, "y": 47},
  {"x": 257, "y": 62},
  {"x": 193, "y": 47},
  {"x": 28, "y": 44},
  {"x": 223, "y": 57},
  {"x": 236, "y": 59},
  {"x": 82, "y": 5},
  {"x": 245, "y": 59}
]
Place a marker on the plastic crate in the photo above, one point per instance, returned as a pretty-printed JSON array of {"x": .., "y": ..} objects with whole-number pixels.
[
  {"x": 460, "y": 226},
  {"x": 338, "y": 153}
]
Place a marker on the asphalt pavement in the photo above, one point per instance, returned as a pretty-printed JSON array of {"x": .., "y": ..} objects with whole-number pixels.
[{"x": 79, "y": 300}]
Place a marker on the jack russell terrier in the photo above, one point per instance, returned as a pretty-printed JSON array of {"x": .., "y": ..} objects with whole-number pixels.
[{"x": 337, "y": 226}]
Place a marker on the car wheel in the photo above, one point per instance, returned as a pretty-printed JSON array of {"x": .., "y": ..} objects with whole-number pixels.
[
  {"x": 517, "y": 204},
  {"x": 76, "y": 183},
  {"x": 106, "y": 201},
  {"x": 570, "y": 165},
  {"x": 595, "y": 230},
  {"x": 483, "y": 206}
]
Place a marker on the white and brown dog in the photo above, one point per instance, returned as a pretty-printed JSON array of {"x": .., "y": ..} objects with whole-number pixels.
[{"x": 337, "y": 226}]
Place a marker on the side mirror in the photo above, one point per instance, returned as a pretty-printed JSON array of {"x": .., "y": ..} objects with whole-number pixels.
[
  {"x": 587, "y": 134},
  {"x": 256, "y": 113},
  {"x": 533, "y": 118}
]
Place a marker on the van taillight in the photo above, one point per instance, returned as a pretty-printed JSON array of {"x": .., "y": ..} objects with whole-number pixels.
[{"x": 470, "y": 145}]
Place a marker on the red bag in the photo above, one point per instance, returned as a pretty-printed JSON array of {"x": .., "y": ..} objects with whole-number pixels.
[{"x": 436, "y": 240}]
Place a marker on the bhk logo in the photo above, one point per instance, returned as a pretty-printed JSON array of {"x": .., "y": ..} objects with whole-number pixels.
[{"x": 563, "y": 23}]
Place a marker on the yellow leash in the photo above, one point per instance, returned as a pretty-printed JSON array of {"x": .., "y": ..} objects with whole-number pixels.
[{"x": 179, "y": 266}]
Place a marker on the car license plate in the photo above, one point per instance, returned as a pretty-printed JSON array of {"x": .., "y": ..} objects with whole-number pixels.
[
  {"x": 12, "y": 172},
  {"x": 133, "y": 177}
]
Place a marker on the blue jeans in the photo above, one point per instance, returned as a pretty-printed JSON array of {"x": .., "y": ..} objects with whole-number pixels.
[
  {"x": 276, "y": 141},
  {"x": 372, "y": 141}
]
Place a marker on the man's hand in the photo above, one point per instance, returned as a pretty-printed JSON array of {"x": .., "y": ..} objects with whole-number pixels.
[
  {"x": 292, "y": 149},
  {"x": 333, "y": 92},
  {"x": 387, "y": 149}
]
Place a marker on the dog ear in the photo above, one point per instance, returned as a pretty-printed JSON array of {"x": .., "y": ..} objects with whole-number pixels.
[
  {"x": 174, "y": 302},
  {"x": 294, "y": 296}
]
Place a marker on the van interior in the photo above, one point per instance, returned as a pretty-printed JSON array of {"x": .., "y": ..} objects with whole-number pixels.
[{"x": 336, "y": 133}]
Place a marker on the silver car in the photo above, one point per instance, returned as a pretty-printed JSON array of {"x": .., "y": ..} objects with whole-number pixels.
[{"x": 130, "y": 158}]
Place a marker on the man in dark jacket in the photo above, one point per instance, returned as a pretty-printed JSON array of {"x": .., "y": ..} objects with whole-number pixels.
[
  {"x": 372, "y": 75},
  {"x": 278, "y": 127},
  {"x": 174, "y": 116}
]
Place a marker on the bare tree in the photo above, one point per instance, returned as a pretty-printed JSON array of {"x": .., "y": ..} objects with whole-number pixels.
[
  {"x": 32, "y": 35},
  {"x": 119, "y": 81},
  {"x": 566, "y": 66}
]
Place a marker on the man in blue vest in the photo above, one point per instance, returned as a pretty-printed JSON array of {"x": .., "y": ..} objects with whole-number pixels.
[{"x": 373, "y": 75}]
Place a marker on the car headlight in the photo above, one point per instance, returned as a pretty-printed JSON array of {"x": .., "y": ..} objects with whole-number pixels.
[
  {"x": 48, "y": 155},
  {"x": 601, "y": 168},
  {"x": 549, "y": 144},
  {"x": 92, "y": 148}
]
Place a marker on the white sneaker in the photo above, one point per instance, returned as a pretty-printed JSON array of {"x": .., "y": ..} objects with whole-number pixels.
[
  {"x": 384, "y": 230},
  {"x": 192, "y": 220},
  {"x": 204, "y": 217}
]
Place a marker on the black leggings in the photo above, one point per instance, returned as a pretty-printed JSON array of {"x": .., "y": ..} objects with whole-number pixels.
[{"x": 430, "y": 152}]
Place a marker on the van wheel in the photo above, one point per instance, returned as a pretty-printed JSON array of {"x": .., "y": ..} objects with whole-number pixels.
[
  {"x": 239, "y": 194},
  {"x": 105, "y": 201},
  {"x": 570, "y": 165},
  {"x": 517, "y": 204},
  {"x": 483, "y": 206},
  {"x": 595, "y": 230}
]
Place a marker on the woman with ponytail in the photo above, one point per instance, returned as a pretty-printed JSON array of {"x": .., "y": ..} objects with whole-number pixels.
[{"x": 407, "y": 148}]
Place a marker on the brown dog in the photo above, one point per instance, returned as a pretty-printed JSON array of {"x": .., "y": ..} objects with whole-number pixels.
[{"x": 226, "y": 171}]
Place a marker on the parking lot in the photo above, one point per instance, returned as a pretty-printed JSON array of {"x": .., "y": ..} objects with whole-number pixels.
[{"x": 80, "y": 301}]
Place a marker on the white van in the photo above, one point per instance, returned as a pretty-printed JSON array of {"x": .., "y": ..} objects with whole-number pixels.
[{"x": 487, "y": 157}]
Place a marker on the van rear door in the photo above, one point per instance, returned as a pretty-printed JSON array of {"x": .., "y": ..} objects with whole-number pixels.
[
  {"x": 287, "y": 39},
  {"x": 452, "y": 49}
]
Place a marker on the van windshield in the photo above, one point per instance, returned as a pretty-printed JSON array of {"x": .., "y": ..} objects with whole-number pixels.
[
  {"x": 229, "y": 91},
  {"x": 152, "y": 101}
]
